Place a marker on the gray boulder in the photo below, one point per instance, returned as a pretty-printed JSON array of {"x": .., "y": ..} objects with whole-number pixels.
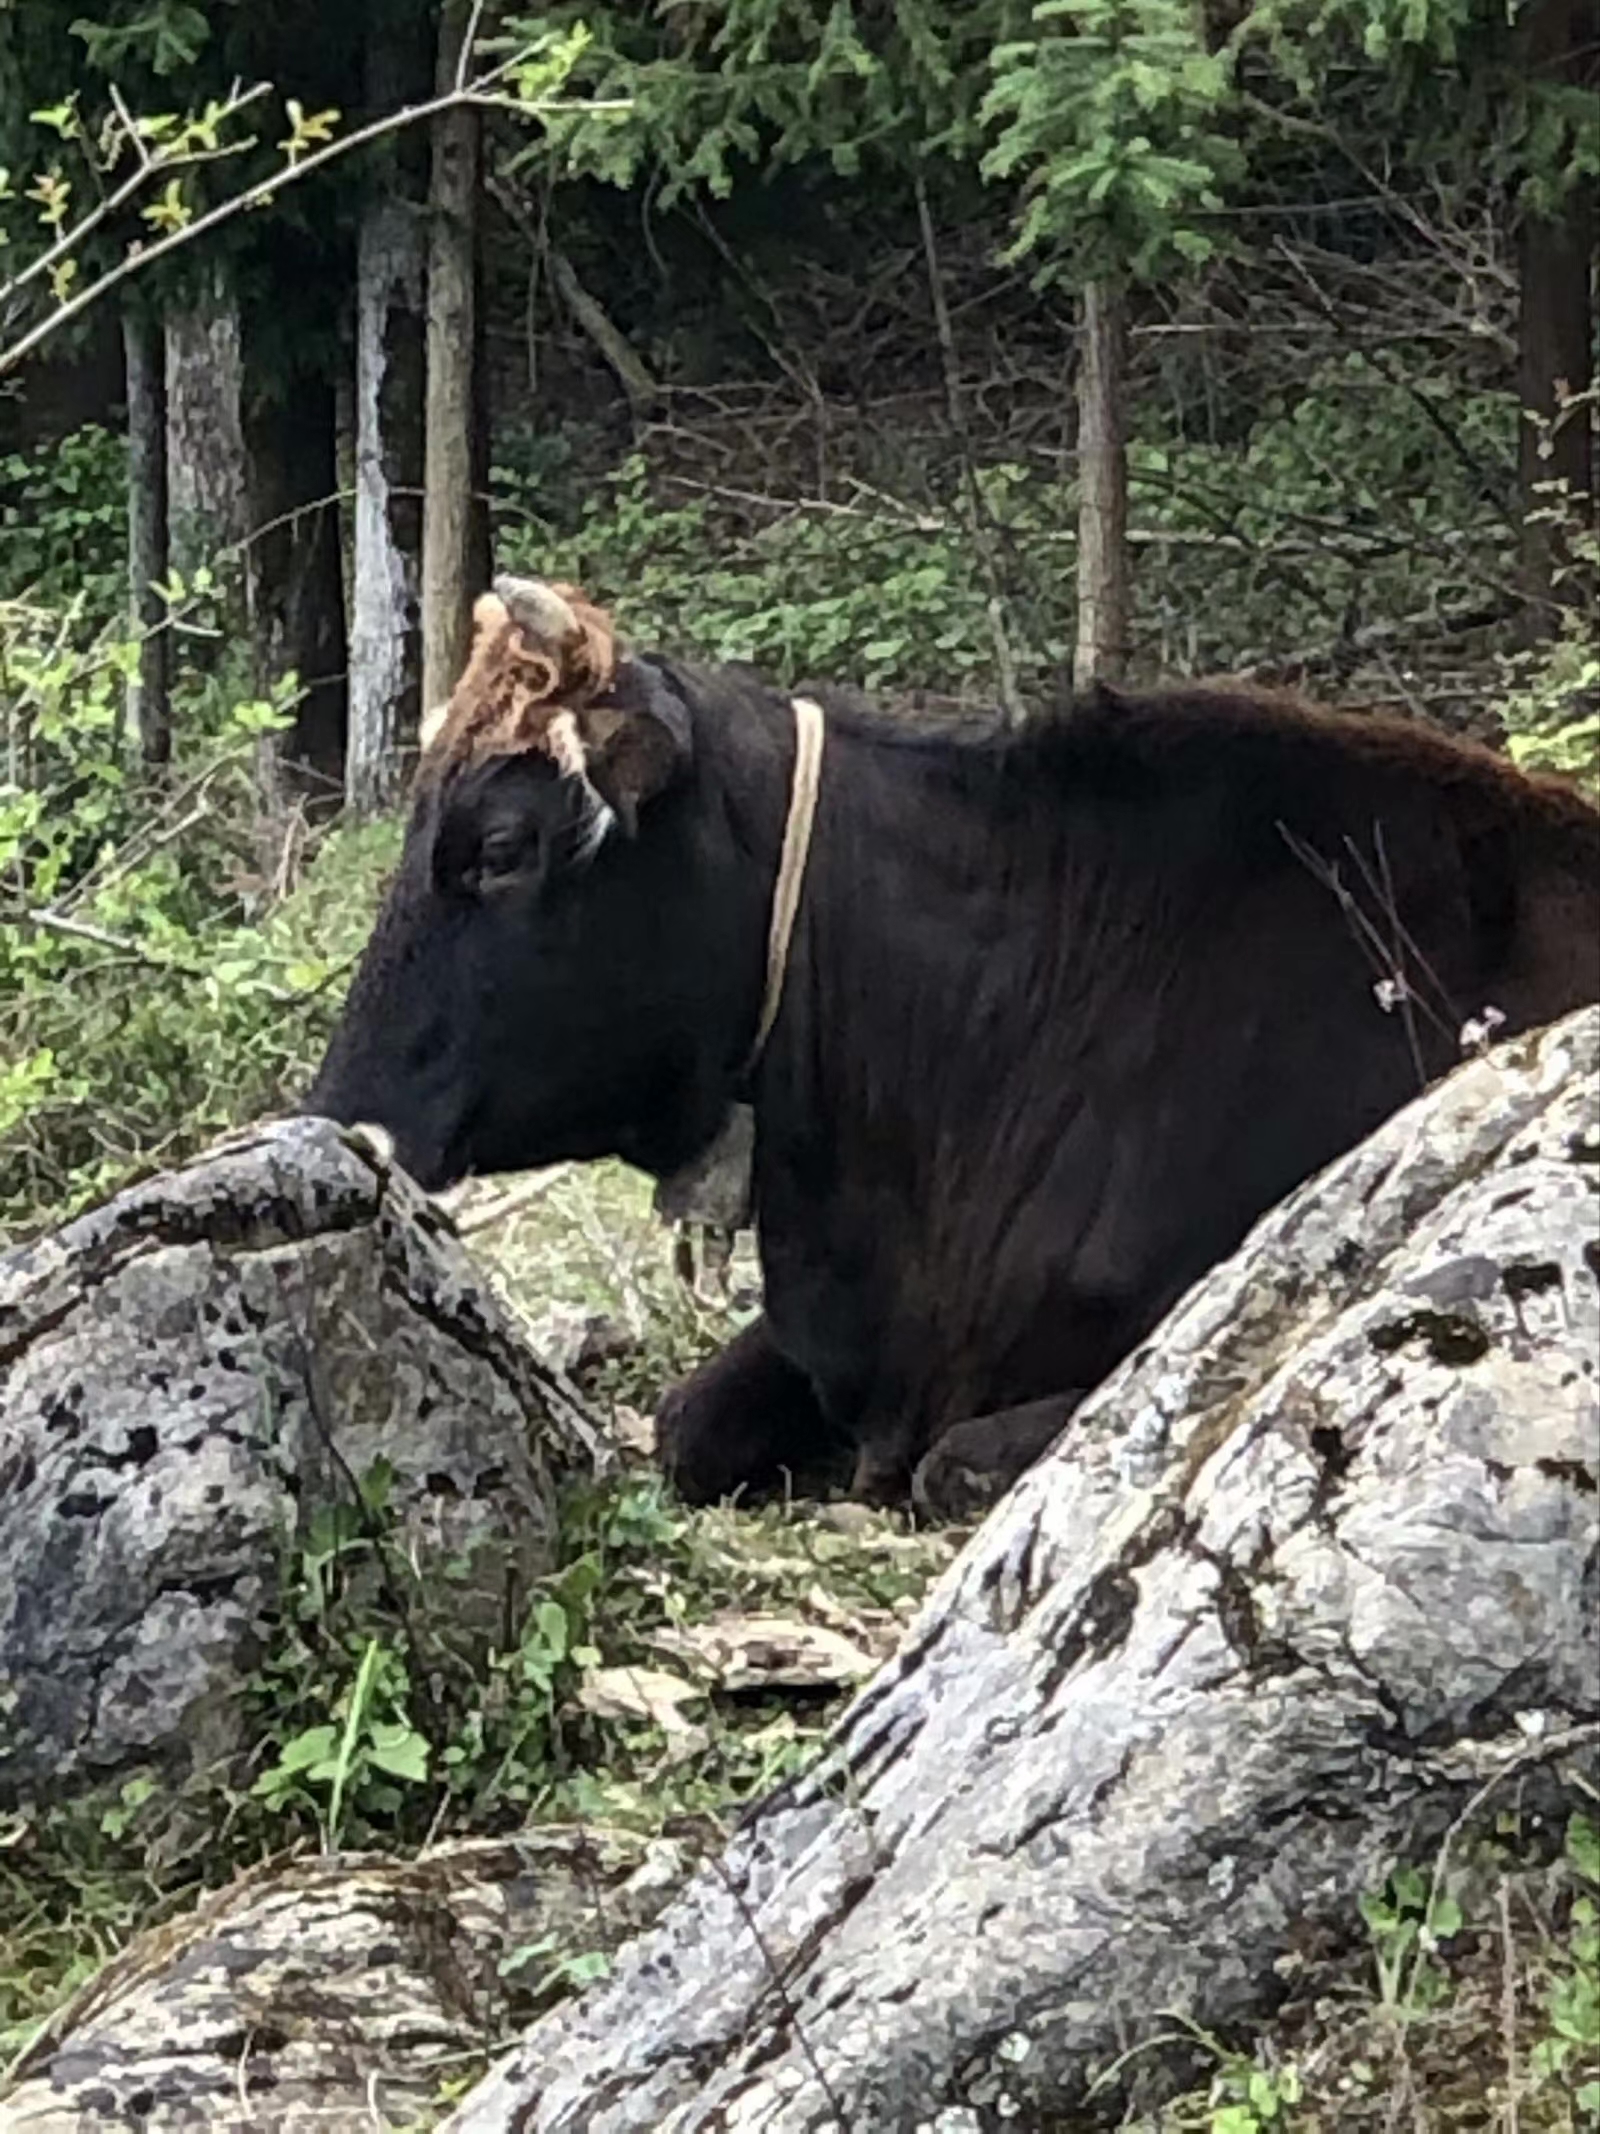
[
  {"x": 188, "y": 1376},
  {"x": 1308, "y": 1577}
]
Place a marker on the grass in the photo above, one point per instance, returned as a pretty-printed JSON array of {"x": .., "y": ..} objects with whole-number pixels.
[
  {"x": 678, "y": 1664},
  {"x": 1472, "y": 2006}
]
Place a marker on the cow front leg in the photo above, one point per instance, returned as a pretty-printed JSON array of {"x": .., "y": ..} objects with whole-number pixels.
[
  {"x": 970, "y": 1467},
  {"x": 742, "y": 1423}
]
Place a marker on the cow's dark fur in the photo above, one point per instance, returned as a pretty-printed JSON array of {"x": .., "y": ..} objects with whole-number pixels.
[{"x": 1065, "y": 1012}]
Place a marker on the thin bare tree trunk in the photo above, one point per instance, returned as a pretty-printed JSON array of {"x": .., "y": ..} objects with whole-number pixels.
[
  {"x": 452, "y": 305},
  {"x": 149, "y": 703},
  {"x": 207, "y": 468},
  {"x": 979, "y": 528},
  {"x": 391, "y": 266},
  {"x": 295, "y": 578},
  {"x": 1103, "y": 592},
  {"x": 1555, "y": 329}
]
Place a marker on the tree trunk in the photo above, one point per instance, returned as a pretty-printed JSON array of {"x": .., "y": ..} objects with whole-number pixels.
[
  {"x": 480, "y": 539},
  {"x": 1556, "y": 261},
  {"x": 1103, "y": 601},
  {"x": 447, "y": 587},
  {"x": 207, "y": 469},
  {"x": 391, "y": 264},
  {"x": 294, "y": 575},
  {"x": 1308, "y": 1574},
  {"x": 149, "y": 704}
]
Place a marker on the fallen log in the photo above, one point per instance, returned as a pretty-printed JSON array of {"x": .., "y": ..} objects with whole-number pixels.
[
  {"x": 1311, "y": 1571},
  {"x": 343, "y": 1993}
]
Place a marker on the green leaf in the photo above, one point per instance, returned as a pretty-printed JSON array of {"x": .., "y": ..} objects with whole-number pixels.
[
  {"x": 1262, "y": 2092},
  {"x": 400, "y": 1751},
  {"x": 1235, "y": 2119},
  {"x": 550, "y": 1622},
  {"x": 377, "y": 1484},
  {"x": 1410, "y": 1887},
  {"x": 1377, "y": 1912},
  {"x": 1583, "y": 1842},
  {"x": 311, "y": 1747},
  {"x": 1445, "y": 1918}
]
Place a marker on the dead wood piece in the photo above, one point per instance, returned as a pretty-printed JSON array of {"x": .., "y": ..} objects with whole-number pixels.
[{"x": 340, "y": 1994}]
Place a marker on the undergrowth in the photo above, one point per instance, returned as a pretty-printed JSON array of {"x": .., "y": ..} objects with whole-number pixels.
[
  {"x": 1316, "y": 523},
  {"x": 1471, "y": 2002}
]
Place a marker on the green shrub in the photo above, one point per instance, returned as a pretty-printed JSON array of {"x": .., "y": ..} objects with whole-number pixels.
[
  {"x": 151, "y": 991},
  {"x": 1552, "y": 709},
  {"x": 885, "y": 598},
  {"x": 63, "y": 524},
  {"x": 1339, "y": 506}
]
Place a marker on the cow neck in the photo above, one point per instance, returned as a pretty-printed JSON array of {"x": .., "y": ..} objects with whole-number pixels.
[
  {"x": 716, "y": 1191},
  {"x": 809, "y": 730}
]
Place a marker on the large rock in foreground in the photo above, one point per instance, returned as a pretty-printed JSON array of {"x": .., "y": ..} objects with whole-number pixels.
[
  {"x": 187, "y": 1376},
  {"x": 1301, "y": 1579}
]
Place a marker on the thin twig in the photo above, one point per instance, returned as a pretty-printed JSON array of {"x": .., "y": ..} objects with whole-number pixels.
[
  {"x": 464, "y": 62},
  {"x": 1448, "y": 1019},
  {"x": 511, "y": 1202},
  {"x": 1485, "y": 483},
  {"x": 1522, "y": 1758},
  {"x": 780, "y": 1987},
  {"x": 995, "y": 607},
  {"x": 1508, "y": 2012},
  {"x": 1387, "y": 903},
  {"x": 123, "y": 945}
]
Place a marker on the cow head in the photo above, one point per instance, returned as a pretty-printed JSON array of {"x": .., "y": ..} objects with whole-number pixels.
[{"x": 563, "y": 965}]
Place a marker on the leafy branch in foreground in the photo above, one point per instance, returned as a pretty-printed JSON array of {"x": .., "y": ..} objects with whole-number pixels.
[{"x": 527, "y": 82}]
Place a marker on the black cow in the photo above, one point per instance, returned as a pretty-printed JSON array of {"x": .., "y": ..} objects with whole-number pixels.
[{"x": 1065, "y": 1009}]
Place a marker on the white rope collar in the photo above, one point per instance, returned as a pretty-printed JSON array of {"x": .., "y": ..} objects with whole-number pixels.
[{"x": 809, "y": 730}]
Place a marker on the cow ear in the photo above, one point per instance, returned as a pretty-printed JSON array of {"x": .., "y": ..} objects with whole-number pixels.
[{"x": 639, "y": 742}]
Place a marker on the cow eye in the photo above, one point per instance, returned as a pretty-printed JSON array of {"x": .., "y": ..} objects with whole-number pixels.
[{"x": 502, "y": 853}]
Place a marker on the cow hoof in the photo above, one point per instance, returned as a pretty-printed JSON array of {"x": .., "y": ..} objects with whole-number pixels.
[
  {"x": 687, "y": 1452},
  {"x": 954, "y": 1485},
  {"x": 879, "y": 1478}
]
